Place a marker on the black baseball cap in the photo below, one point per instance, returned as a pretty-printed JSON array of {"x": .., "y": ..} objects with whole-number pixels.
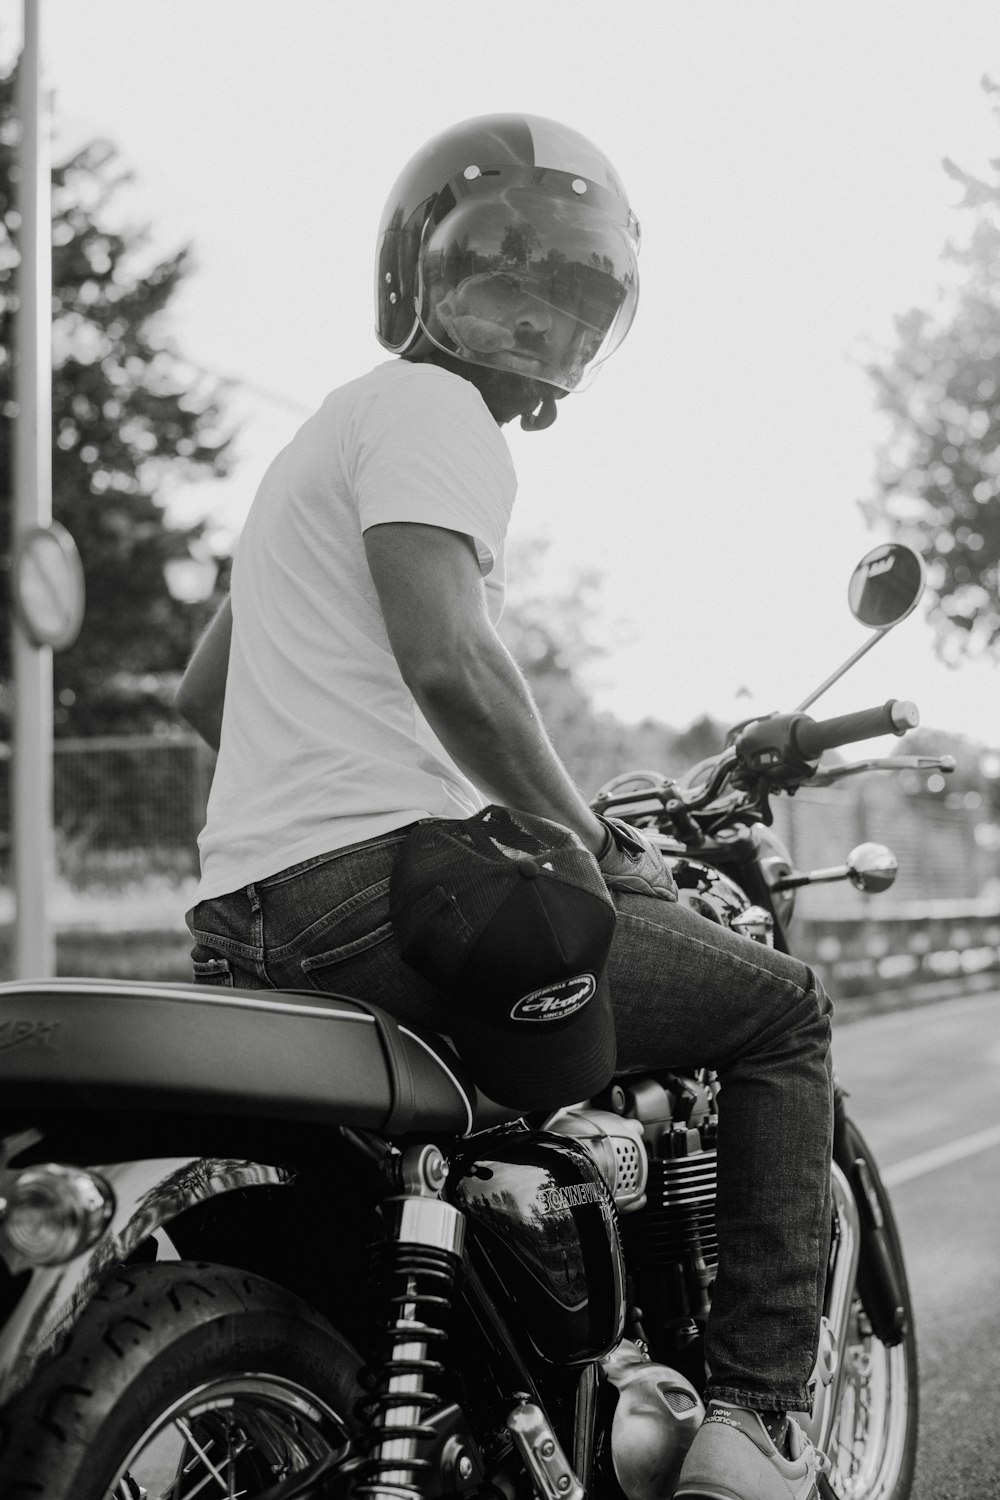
[{"x": 509, "y": 915}]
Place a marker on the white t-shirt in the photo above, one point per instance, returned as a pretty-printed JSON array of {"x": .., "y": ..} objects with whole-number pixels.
[{"x": 322, "y": 742}]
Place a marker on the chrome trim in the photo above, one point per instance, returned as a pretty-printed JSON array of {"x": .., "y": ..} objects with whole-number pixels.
[
  {"x": 542, "y": 1454},
  {"x": 756, "y": 923},
  {"x": 656, "y": 1417},
  {"x": 224, "y": 1394},
  {"x": 430, "y": 1221},
  {"x": 187, "y": 994},
  {"x": 92, "y": 1204},
  {"x": 148, "y": 1194},
  {"x": 872, "y": 867}
]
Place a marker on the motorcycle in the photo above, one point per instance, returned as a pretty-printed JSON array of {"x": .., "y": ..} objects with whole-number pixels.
[{"x": 279, "y": 1246}]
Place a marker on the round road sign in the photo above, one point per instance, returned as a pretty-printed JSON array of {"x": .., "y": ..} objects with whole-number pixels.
[{"x": 48, "y": 586}]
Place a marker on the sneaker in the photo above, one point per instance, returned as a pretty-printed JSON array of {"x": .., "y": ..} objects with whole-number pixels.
[{"x": 733, "y": 1458}]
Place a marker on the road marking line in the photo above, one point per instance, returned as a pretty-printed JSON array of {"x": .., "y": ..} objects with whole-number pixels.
[{"x": 941, "y": 1156}]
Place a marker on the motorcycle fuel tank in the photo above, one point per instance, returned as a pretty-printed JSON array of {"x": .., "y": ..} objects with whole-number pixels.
[{"x": 543, "y": 1226}]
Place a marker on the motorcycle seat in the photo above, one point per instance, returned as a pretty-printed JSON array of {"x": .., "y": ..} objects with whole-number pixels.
[{"x": 286, "y": 1056}]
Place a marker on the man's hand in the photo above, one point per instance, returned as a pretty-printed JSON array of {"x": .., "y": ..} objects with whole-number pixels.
[{"x": 633, "y": 863}]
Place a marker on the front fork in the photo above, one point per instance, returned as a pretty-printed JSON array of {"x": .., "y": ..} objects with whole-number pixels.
[
  {"x": 862, "y": 1263},
  {"x": 880, "y": 1288}
]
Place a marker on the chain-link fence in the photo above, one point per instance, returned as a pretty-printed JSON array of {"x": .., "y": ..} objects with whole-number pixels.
[
  {"x": 128, "y": 812},
  {"x": 135, "y": 805},
  {"x": 125, "y": 807},
  {"x": 941, "y": 850}
]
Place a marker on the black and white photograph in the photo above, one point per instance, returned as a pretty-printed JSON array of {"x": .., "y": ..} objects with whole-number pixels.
[{"x": 499, "y": 750}]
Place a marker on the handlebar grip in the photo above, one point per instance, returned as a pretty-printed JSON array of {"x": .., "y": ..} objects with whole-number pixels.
[{"x": 811, "y": 737}]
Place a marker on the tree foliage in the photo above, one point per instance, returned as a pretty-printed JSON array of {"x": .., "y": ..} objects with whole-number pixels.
[
  {"x": 554, "y": 636},
  {"x": 127, "y": 410},
  {"x": 939, "y": 474}
]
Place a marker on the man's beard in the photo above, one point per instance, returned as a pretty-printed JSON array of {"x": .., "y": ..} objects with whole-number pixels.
[{"x": 534, "y": 400}]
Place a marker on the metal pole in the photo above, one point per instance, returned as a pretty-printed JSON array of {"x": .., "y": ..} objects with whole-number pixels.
[{"x": 33, "y": 844}]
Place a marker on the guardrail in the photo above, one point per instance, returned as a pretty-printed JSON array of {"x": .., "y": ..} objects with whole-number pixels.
[
  {"x": 902, "y": 946},
  {"x": 887, "y": 953}
]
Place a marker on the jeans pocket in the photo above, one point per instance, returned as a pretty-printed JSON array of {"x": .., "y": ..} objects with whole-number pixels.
[
  {"x": 347, "y": 945},
  {"x": 354, "y": 964},
  {"x": 217, "y": 971}
]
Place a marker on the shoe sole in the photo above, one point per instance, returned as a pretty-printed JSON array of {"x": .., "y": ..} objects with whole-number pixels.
[
  {"x": 708, "y": 1492},
  {"x": 704, "y": 1494}
]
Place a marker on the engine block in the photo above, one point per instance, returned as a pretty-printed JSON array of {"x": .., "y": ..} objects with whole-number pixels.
[
  {"x": 678, "y": 1221},
  {"x": 671, "y": 1244}
]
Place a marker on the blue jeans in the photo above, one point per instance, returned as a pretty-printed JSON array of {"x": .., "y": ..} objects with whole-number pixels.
[{"x": 686, "y": 993}]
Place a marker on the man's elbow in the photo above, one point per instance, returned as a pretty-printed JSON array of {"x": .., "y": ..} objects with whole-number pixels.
[
  {"x": 204, "y": 718},
  {"x": 432, "y": 680},
  {"x": 456, "y": 682}
]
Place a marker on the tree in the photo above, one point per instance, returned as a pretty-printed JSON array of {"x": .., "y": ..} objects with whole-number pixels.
[
  {"x": 939, "y": 474},
  {"x": 552, "y": 637},
  {"x": 127, "y": 410}
]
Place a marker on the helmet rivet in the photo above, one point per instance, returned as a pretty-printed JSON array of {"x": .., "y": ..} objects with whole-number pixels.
[
  {"x": 471, "y": 173},
  {"x": 392, "y": 297},
  {"x": 388, "y": 278},
  {"x": 578, "y": 185}
]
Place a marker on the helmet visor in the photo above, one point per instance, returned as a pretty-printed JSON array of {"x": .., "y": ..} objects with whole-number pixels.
[{"x": 517, "y": 279}]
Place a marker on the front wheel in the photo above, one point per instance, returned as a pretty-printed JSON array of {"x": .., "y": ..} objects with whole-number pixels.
[
  {"x": 873, "y": 1443},
  {"x": 182, "y": 1379}
]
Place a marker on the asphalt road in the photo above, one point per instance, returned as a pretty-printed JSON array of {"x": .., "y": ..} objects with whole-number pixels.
[{"x": 924, "y": 1088}]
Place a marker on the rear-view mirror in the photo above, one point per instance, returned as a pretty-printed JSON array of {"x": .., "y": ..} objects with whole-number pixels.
[{"x": 886, "y": 585}]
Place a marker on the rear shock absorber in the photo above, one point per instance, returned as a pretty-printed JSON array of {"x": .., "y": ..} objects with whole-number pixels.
[{"x": 418, "y": 1266}]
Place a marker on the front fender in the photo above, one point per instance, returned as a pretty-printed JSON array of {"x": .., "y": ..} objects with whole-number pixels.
[{"x": 148, "y": 1194}]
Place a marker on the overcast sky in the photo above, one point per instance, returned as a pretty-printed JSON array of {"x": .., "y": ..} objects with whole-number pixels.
[{"x": 785, "y": 163}]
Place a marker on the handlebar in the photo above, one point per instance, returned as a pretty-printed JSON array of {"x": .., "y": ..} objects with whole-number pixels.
[
  {"x": 781, "y": 747},
  {"x": 810, "y": 737},
  {"x": 766, "y": 755}
]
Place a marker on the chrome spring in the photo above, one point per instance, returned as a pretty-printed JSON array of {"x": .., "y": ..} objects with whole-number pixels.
[{"x": 415, "y": 1285}]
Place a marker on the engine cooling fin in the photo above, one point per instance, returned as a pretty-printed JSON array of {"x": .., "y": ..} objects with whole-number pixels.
[{"x": 678, "y": 1222}]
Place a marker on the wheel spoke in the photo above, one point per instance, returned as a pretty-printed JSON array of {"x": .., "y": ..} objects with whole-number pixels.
[
  {"x": 868, "y": 1440},
  {"x": 202, "y": 1453},
  {"x": 233, "y": 1439}
]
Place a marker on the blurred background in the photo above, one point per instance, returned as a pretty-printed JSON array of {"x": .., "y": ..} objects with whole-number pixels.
[{"x": 814, "y": 368}]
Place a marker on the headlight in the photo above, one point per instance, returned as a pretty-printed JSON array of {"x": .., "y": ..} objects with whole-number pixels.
[{"x": 52, "y": 1213}]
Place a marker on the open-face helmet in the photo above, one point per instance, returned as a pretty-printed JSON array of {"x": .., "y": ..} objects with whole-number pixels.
[{"x": 508, "y": 242}]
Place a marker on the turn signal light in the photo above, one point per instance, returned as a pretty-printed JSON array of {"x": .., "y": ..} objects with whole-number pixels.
[{"x": 52, "y": 1212}]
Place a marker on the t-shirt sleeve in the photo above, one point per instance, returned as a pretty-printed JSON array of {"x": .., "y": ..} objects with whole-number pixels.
[{"x": 425, "y": 449}]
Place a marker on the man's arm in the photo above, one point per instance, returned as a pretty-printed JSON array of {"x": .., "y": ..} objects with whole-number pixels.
[
  {"x": 463, "y": 678},
  {"x": 202, "y": 691}
]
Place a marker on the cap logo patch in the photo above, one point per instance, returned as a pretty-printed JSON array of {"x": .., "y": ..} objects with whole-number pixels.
[{"x": 555, "y": 1001}]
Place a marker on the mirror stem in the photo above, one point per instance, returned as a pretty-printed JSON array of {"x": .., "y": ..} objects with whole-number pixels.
[
  {"x": 811, "y": 877},
  {"x": 836, "y": 676}
]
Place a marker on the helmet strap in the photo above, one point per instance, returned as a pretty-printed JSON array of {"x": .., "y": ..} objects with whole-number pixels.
[{"x": 543, "y": 416}]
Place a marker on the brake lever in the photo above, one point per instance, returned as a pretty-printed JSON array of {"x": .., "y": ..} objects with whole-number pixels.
[{"x": 827, "y": 775}]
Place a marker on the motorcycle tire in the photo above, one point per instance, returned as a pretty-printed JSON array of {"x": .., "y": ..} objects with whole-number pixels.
[
  {"x": 181, "y": 1366},
  {"x": 873, "y": 1447}
]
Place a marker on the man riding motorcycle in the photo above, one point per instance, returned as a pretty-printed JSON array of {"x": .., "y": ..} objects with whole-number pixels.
[{"x": 357, "y": 686}]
